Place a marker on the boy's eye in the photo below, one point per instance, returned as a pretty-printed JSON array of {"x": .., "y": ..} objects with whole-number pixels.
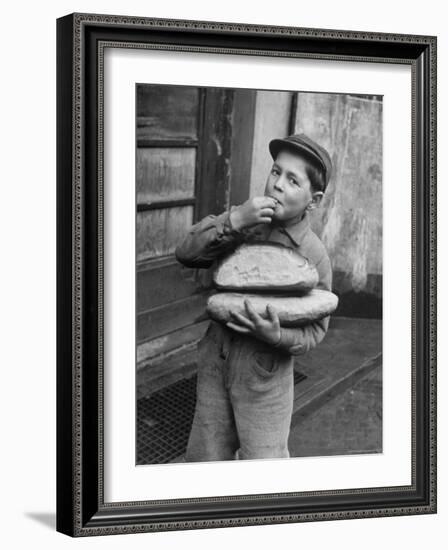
[
  {"x": 275, "y": 171},
  {"x": 293, "y": 181}
]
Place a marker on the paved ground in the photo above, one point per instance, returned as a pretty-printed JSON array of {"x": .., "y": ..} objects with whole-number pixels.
[
  {"x": 338, "y": 408},
  {"x": 350, "y": 423},
  {"x": 337, "y": 405}
]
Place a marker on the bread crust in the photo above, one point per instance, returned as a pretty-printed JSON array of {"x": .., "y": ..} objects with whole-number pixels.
[
  {"x": 292, "y": 310},
  {"x": 265, "y": 267}
]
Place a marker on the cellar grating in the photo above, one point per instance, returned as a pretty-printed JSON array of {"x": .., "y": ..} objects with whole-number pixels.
[{"x": 164, "y": 421}]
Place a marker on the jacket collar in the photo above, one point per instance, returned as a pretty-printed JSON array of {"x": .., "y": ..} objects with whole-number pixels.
[{"x": 294, "y": 233}]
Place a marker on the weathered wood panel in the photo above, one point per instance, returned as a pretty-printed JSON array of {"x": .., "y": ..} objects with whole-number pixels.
[
  {"x": 161, "y": 285},
  {"x": 165, "y": 319},
  {"x": 165, "y": 174},
  {"x": 243, "y": 121},
  {"x": 184, "y": 138},
  {"x": 216, "y": 145},
  {"x": 167, "y": 112},
  {"x": 149, "y": 353},
  {"x": 160, "y": 231}
]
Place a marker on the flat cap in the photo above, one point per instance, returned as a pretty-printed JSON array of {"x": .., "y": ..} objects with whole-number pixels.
[{"x": 302, "y": 144}]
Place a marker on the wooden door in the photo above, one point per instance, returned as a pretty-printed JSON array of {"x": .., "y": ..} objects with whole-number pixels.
[{"x": 182, "y": 174}]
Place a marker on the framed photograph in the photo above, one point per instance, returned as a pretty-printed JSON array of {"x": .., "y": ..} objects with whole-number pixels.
[{"x": 246, "y": 221}]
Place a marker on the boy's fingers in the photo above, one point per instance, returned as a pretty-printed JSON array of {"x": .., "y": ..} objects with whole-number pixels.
[
  {"x": 267, "y": 211},
  {"x": 253, "y": 315},
  {"x": 272, "y": 313},
  {"x": 242, "y": 319},
  {"x": 269, "y": 201},
  {"x": 238, "y": 328}
]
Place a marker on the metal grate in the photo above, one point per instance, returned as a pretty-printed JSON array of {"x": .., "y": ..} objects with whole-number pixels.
[{"x": 164, "y": 421}]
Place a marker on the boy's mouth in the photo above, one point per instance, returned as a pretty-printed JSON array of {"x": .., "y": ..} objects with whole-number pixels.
[{"x": 275, "y": 198}]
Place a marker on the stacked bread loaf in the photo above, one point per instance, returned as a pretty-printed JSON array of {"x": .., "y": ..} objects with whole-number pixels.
[{"x": 269, "y": 273}]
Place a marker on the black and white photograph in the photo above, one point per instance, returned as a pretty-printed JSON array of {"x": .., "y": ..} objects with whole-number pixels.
[
  {"x": 246, "y": 275},
  {"x": 258, "y": 274},
  {"x": 223, "y": 263}
]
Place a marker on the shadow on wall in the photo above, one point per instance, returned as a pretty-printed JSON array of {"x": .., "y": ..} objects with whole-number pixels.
[{"x": 361, "y": 304}]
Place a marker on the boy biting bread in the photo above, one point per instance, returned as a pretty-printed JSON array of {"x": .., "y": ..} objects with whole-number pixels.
[{"x": 245, "y": 382}]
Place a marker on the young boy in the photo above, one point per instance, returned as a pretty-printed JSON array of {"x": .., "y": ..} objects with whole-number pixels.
[{"x": 245, "y": 368}]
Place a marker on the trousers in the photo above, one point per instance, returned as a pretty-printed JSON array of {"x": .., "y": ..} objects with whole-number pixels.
[{"x": 244, "y": 399}]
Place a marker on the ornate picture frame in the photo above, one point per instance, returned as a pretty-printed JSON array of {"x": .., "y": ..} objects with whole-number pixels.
[{"x": 81, "y": 43}]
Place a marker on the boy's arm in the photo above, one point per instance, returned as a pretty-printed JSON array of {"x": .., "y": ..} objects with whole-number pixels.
[
  {"x": 207, "y": 240},
  {"x": 214, "y": 235},
  {"x": 302, "y": 339},
  {"x": 299, "y": 340}
]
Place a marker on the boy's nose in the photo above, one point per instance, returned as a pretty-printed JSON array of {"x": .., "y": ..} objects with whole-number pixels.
[{"x": 279, "y": 183}]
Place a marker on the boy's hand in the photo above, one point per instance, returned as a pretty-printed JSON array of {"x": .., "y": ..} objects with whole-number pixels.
[
  {"x": 266, "y": 329},
  {"x": 253, "y": 211}
]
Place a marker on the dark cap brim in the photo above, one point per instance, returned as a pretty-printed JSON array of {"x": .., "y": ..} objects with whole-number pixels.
[{"x": 277, "y": 145}]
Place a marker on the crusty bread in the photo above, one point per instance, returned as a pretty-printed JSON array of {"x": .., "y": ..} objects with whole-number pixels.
[
  {"x": 266, "y": 267},
  {"x": 292, "y": 310}
]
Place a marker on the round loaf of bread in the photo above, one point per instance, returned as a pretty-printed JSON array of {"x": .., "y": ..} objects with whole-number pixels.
[
  {"x": 291, "y": 310},
  {"x": 266, "y": 267}
]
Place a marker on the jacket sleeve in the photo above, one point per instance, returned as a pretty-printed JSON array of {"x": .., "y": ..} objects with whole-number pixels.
[
  {"x": 207, "y": 240},
  {"x": 299, "y": 340}
]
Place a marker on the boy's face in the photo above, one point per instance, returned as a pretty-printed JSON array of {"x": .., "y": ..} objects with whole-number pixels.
[{"x": 289, "y": 184}]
